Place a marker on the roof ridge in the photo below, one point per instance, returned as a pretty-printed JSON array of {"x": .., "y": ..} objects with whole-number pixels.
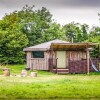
[{"x": 45, "y": 45}]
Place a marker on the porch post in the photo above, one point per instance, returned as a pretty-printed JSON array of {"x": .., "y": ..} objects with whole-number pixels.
[
  {"x": 51, "y": 60},
  {"x": 88, "y": 59},
  {"x": 31, "y": 64}
]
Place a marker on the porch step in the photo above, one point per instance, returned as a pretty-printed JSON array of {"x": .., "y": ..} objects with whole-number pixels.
[{"x": 61, "y": 71}]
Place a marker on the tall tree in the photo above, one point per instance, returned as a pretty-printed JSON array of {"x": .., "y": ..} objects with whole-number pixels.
[
  {"x": 41, "y": 28},
  {"x": 70, "y": 31},
  {"x": 76, "y": 32},
  {"x": 11, "y": 46},
  {"x": 23, "y": 28},
  {"x": 84, "y": 32},
  {"x": 94, "y": 37}
]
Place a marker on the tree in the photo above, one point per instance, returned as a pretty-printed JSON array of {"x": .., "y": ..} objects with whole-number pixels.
[
  {"x": 12, "y": 41},
  {"x": 41, "y": 28},
  {"x": 84, "y": 32},
  {"x": 54, "y": 32},
  {"x": 70, "y": 31},
  {"x": 35, "y": 24},
  {"x": 76, "y": 32},
  {"x": 23, "y": 28},
  {"x": 11, "y": 46},
  {"x": 94, "y": 37}
]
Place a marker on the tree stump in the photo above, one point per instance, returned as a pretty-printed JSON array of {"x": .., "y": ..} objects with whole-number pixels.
[
  {"x": 33, "y": 74},
  {"x": 6, "y": 71},
  {"x": 24, "y": 73}
]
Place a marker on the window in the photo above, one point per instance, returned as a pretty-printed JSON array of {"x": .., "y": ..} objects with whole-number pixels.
[{"x": 38, "y": 54}]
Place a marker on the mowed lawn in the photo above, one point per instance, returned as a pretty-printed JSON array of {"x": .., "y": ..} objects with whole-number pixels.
[{"x": 49, "y": 86}]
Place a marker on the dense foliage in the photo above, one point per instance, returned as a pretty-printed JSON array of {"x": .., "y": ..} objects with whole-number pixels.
[
  {"x": 94, "y": 36},
  {"x": 76, "y": 32},
  {"x": 11, "y": 44},
  {"x": 29, "y": 27},
  {"x": 24, "y": 28}
]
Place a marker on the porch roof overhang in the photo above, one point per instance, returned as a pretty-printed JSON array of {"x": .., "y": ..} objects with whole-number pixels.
[{"x": 71, "y": 46}]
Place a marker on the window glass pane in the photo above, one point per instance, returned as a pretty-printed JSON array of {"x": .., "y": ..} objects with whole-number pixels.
[{"x": 38, "y": 54}]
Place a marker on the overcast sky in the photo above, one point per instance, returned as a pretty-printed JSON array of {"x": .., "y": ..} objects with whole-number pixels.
[{"x": 64, "y": 11}]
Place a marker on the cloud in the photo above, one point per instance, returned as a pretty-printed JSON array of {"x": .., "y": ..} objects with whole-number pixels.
[
  {"x": 50, "y": 3},
  {"x": 82, "y": 3},
  {"x": 62, "y": 10}
]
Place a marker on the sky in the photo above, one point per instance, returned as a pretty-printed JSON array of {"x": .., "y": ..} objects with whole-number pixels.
[{"x": 63, "y": 11}]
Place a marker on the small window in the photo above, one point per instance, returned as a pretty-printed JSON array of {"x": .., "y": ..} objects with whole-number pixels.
[{"x": 38, "y": 54}]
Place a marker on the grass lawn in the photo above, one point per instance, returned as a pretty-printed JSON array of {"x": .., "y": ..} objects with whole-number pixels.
[{"x": 49, "y": 86}]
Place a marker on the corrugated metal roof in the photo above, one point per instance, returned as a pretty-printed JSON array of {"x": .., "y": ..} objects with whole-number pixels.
[{"x": 43, "y": 46}]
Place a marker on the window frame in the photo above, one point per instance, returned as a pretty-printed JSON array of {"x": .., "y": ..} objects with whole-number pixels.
[{"x": 36, "y": 55}]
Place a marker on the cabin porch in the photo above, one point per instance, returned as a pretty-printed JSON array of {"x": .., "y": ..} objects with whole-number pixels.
[{"x": 79, "y": 66}]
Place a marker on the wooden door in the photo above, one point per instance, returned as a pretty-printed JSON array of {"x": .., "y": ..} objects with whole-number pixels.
[{"x": 61, "y": 59}]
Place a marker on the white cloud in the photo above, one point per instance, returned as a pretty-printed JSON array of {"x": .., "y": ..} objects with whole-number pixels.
[{"x": 64, "y": 11}]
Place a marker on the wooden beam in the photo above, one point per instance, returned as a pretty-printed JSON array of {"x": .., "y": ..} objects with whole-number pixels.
[
  {"x": 51, "y": 67},
  {"x": 88, "y": 59}
]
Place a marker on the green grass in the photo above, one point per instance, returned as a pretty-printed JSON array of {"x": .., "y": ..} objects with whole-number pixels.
[
  {"x": 49, "y": 86},
  {"x": 14, "y": 69}
]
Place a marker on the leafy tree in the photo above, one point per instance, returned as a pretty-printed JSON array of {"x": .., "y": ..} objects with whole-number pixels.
[
  {"x": 23, "y": 28},
  {"x": 54, "y": 32},
  {"x": 94, "y": 37},
  {"x": 36, "y": 24},
  {"x": 11, "y": 45},
  {"x": 76, "y": 32},
  {"x": 12, "y": 41},
  {"x": 41, "y": 28},
  {"x": 70, "y": 31},
  {"x": 84, "y": 32}
]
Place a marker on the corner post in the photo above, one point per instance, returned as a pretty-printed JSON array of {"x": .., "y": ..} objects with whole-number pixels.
[
  {"x": 88, "y": 59},
  {"x": 51, "y": 60}
]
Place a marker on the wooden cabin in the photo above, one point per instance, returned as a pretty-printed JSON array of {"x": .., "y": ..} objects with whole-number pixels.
[{"x": 60, "y": 57}]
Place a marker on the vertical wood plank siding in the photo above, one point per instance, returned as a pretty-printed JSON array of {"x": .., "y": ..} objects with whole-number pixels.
[
  {"x": 28, "y": 56},
  {"x": 70, "y": 56},
  {"x": 38, "y": 63},
  {"x": 76, "y": 61},
  {"x": 76, "y": 55}
]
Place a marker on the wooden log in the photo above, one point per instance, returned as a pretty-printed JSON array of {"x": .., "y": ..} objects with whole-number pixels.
[
  {"x": 6, "y": 71},
  {"x": 33, "y": 74},
  {"x": 24, "y": 73}
]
